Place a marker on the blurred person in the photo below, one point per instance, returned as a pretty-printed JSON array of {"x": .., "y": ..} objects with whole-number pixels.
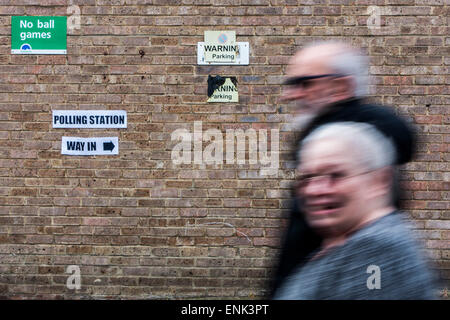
[
  {"x": 327, "y": 83},
  {"x": 367, "y": 251}
]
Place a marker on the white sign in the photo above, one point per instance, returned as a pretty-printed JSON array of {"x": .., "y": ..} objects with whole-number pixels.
[
  {"x": 76, "y": 146},
  {"x": 89, "y": 119},
  {"x": 240, "y": 52}
]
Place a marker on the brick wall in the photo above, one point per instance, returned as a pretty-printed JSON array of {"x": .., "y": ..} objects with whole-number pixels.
[{"x": 139, "y": 226}]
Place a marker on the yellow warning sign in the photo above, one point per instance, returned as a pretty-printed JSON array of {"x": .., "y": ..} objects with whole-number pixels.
[{"x": 227, "y": 92}]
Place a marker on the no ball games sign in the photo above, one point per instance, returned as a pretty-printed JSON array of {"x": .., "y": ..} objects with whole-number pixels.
[{"x": 38, "y": 35}]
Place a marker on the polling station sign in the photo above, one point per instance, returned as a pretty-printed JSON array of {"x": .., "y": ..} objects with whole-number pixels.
[
  {"x": 38, "y": 35},
  {"x": 89, "y": 119}
]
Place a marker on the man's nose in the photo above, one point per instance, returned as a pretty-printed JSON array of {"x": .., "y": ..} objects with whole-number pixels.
[{"x": 292, "y": 93}]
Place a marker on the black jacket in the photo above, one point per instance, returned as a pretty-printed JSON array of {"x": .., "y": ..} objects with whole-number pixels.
[
  {"x": 300, "y": 239},
  {"x": 383, "y": 118}
]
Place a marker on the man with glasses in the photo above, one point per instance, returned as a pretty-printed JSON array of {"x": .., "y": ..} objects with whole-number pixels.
[
  {"x": 367, "y": 251},
  {"x": 327, "y": 83}
]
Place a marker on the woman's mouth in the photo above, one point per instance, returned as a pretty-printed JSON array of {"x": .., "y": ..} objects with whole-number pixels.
[{"x": 323, "y": 208}]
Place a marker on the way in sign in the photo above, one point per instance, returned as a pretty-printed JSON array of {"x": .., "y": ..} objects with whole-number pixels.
[
  {"x": 90, "y": 146},
  {"x": 79, "y": 146}
]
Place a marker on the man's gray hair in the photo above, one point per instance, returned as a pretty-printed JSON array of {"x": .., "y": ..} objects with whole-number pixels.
[
  {"x": 373, "y": 148},
  {"x": 354, "y": 64},
  {"x": 349, "y": 61}
]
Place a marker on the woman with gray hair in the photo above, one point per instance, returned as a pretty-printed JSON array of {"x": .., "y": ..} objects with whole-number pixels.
[{"x": 366, "y": 250}]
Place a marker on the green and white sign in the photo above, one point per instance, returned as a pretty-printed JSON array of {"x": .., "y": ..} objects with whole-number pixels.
[{"x": 38, "y": 35}]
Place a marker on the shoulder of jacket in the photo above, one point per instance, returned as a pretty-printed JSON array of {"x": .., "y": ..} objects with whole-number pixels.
[{"x": 391, "y": 231}]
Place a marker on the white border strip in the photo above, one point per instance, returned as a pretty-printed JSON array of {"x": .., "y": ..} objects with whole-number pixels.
[{"x": 38, "y": 51}]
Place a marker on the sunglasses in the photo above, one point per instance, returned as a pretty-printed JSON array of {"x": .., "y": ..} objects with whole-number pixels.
[{"x": 305, "y": 82}]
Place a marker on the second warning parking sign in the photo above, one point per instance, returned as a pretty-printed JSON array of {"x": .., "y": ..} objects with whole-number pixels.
[{"x": 222, "y": 89}]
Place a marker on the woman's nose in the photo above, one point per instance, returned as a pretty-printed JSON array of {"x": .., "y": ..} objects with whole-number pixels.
[{"x": 317, "y": 186}]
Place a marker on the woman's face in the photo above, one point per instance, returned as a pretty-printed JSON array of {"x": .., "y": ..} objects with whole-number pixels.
[{"x": 336, "y": 189}]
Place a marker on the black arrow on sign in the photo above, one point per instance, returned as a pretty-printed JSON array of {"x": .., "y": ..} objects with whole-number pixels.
[{"x": 108, "y": 146}]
